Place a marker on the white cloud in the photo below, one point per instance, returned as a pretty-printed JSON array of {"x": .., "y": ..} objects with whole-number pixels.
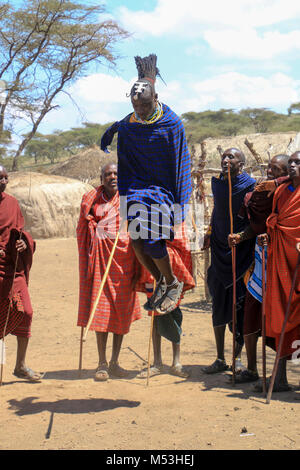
[
  {"x": 247, "y": 43},
  {"x": 190, "y": 16},
  {"x": 235, "y": 90},
  {"x": 102, "y": 88},
  {"x": 229, "y": 27}
]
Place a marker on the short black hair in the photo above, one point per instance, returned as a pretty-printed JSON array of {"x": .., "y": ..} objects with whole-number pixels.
[
  {"x": 108, "y": 164},
  {"x": 283, "y": 158},
  {"x": 239, "y": 153}
]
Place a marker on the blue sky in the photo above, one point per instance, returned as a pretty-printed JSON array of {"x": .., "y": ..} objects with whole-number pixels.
[{"x": 212, "y": 54}]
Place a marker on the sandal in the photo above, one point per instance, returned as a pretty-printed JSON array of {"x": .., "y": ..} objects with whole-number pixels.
[
  {"x": 281, "y": 387},
  {"x": 218, "y": 366},
  {"x": 101, "y": 374},
  {"x": 171, "y": 297},
  {"x": 115, "y": 370},
  {"x": 153, "y": 371},
  {"x": 28, "y": 374},
  {"x": 246, "y": 376},
  {"x": 157, "y": 295},
  {"x": 178, "y": 371}
]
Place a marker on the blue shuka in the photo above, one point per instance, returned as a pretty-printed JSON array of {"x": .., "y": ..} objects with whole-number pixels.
[
  {"x": 154, "y": 170},
  {"x": 220, "y": 278}
]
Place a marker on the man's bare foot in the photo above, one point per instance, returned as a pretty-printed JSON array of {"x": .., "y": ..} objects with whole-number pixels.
[
  {"x": 115, "y": 370},
  {"x": 178, "y": 371},
  {"x": 279, "y": 386},
  {"x": 101, "y": 374},
  {"x": 154, "y": 370},
  {"x": 28, "y": 374}
]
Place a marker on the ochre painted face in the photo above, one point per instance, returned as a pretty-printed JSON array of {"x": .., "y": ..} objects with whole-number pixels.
[
  {"x": 3, "y": 179},
  {"x": 294, "y": 166},
  {"x": 144, "y": 106}
]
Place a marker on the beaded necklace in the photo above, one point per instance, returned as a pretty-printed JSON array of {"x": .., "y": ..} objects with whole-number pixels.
[{"x": 155, "y": 116}]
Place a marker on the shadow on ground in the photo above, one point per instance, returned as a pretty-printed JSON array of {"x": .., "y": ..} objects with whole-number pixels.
[{"x": 30, "y": 405}]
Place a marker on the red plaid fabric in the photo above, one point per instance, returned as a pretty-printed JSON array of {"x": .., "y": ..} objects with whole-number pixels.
[
  {"x": 14, "y": 310},
  {"x": 14, "y": 285},
  {"x": 283, "y": 227},
  {"x": 97, "y": 227}
]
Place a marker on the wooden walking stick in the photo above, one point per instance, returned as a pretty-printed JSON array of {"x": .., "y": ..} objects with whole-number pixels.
[
  {"x": 287, "y": 314},
  {"x": 103, "y": 280},
  {"x": 150, "y": 337},
  {"x": 233, "y": 255},
  {"x": 263, "y": 320},
  {"x": 149, "y": 347}
]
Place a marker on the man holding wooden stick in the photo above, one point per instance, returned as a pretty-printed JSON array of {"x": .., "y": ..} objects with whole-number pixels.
[
  {"x": 16, "y": 252},
  {"x": 220, "y": 275},
  {"x": 118, "y": 306},
  {"x": 283, "y": 236},
  {"x": 258, "y": 206}
]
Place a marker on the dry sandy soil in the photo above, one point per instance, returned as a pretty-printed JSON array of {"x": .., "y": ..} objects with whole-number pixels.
[{"x": 65, "y": 411}]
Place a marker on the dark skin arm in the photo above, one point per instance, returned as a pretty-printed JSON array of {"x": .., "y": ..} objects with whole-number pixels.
[
  {"x": 263, "y": 239},
  {"x": 237, "y": 238},
  {"x": 20, "y": 246}
]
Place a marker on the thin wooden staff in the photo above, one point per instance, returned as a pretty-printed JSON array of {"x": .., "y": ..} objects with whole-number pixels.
[
  {"x": 263, "y": 321},
  {"x": 287, "y": 314},
  {"x": 84, "y": 335},
  {"x": 233, "y": 255},
  {"x": 150, "y": 337},
  {"x": 8, "y": 312}
]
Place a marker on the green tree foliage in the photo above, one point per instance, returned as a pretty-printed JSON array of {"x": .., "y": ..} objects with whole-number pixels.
[
  {"x": 61, "y": 145},
  {"x": 227, "y": 122},
  {"x": 293, "y": 107},
  {"x": 45, "y": 45}
]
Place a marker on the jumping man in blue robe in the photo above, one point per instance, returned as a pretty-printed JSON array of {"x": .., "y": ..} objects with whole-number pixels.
[{"x": 154, "y": 168}]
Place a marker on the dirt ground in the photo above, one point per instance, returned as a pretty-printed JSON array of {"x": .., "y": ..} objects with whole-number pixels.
[{"x": 65, "y": 411}]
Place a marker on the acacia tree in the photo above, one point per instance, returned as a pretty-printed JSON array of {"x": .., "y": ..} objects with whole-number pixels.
[
  {"x": 293, "y": 107},
  {"x": 45, "y": 45}
]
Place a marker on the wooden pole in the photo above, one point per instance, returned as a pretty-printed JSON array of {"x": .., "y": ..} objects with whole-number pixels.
[
  {"x": 84, "y": 335},
  {"x": 150, "y": 338},
  {"x": 80, "y": 352},
  {"x": 233, "y": 255},
  {"x": 149, "y": 347},
  {"x": 287, "y": 314},
  {"x": 263, "y": 321}
]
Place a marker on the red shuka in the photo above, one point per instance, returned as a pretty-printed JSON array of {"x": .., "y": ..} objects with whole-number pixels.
[
  {"x": 98, "y": 225},
  {"x": 284, "y": 230},
  {"x": 14, "y": 292}
]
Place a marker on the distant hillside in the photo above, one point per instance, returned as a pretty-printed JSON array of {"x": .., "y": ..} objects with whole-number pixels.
[
  {"x": 85, "y": 166},
  {"x": 274, "y": 143}
]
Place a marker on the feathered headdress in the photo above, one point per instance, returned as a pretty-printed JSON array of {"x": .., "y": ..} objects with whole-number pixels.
[{"x": 147, "y": 69}]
